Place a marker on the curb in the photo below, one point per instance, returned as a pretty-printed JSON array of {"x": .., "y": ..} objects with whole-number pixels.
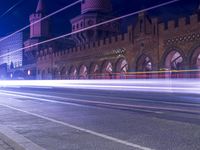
[{"x": 17, "y": 141}]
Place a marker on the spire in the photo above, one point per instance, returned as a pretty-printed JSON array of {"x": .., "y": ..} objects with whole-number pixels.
[{"x": 40, "y": 6}]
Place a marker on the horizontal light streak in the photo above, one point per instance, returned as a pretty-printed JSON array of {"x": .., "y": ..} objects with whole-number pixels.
[{"x": 150, "y": 85}]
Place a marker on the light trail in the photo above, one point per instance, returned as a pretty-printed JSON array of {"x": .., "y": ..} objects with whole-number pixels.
[
  {"x": 48, "y": 16},
  {"x": 183, "y": 86},
  {"x": 70, "y": 98},
  {"x": 93, "y": 26},
  {"x": 11, "y": 8}
]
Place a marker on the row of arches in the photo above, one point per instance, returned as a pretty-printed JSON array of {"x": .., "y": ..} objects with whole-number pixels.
[
  {"x": 120, "y": 69},
  {"x": 94, "y": 71}
]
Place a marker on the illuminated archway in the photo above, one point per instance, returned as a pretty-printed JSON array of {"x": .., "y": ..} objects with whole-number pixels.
[
  {"x": 94, "y": 71},
  {"x": 195, "y": 59},
  {"x": 195, "y": 63},
  {"x": 83, "y": 72},
  {"x": 73, "y": 73},
  {"x": 107, "y": 70},
  {"x": 173, "y": 61},
  {"x": 63, "y": 73},
  {"x": 56, "y": 74},
  {"x": 144, "y": 64},
  {"x": 198, "y": 62},
  {"x": 198, "y": 66},
  {"x": 121, "y": 68}
]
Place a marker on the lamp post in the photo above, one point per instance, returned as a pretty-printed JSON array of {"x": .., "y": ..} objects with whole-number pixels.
[{"x": 29, "y": 74}]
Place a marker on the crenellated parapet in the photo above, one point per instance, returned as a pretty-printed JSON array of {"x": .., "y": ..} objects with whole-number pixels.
[
  {"x": 44, "y": 54},
  {"x": 100, "y": 45},
  {"x": 186, "y": 24},
  {"x": 35, "y": 16}
]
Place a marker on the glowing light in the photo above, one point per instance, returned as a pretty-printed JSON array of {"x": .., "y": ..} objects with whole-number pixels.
[
  {"x": 151, "y": 85},
  {"x": 29, "y": 72}
]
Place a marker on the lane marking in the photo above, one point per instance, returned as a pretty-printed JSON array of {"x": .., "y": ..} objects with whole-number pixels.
[
  {"x": 42, "y": 99},
  {"x": 81, "y": 129},
  {"x": 110, "y": 104},
  {"x": 85, "y": 102},
  {"x": 113, "y": 104},
  {"x": 101, "y": 96}
]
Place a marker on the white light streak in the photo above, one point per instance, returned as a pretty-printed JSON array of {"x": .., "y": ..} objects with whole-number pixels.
[
  {"x": 93, "y": 26},
  {"x": 48, "y": 16},
  {"x": 185, "y": 86}
]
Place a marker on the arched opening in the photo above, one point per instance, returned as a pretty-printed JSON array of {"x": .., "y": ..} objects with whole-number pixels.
[
  {"x": 73, "y": 73},
  {"x": 107, "y": 70},
  {"x": 198, "y": 62},
  {"x": 198, "y": 66},
  {"x": 83, "y": 72},
  {"x": 56, "y": 74},
  {"x": 43, "y": 76},
  {"x": 94, "y": 71},
  {"x": 63, "y": 73},
  {"x": 174, "y": 61},
  {"x": 195, "y": 64},
  {"x": 121, "y": 68},
  {"x": 143, "y": 66}
]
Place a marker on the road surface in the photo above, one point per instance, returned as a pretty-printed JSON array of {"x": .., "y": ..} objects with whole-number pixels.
[{"x": 78, "y": 119}]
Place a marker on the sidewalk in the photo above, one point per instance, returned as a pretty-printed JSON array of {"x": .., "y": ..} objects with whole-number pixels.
[
  {"x": 5, "y": 146},
  {"x": 10, "y": 140}
]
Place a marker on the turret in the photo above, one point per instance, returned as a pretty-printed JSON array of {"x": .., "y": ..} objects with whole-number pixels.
[
  {"x": 101, "y": 6},
  {"x": 93, "y": 12},
  {"x": 40, "y": 29}
]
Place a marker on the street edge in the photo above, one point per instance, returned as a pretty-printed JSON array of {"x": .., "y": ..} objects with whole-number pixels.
[{"x": 17, "y": 141}]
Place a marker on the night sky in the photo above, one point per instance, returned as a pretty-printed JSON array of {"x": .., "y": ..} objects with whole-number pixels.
[{"x": 19, "y": 16}]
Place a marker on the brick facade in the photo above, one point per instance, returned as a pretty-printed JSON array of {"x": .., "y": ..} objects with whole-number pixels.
[{"x": 146, "y": 46}]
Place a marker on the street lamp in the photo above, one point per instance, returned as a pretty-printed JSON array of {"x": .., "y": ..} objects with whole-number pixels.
[{"x": 29, "y": 72}]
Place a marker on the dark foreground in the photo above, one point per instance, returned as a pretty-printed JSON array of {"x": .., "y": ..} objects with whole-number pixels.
[{"x": 66, "y": 119}]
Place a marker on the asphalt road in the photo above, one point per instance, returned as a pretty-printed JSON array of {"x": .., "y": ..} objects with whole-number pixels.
[{"x": 75, "y": 119}]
